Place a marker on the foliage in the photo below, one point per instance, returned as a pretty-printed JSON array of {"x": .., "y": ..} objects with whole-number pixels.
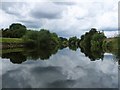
[
  {"x": 55, "y": 38},
  {"x": 91, "y": 44},
  {"x": 63, "y": 42},
  {"x": 73, "y": 41},
  {"x": 42, "y": 38},
  {"x": 97, "y": 40},
  {"x": 73, "y": 47},
  {"x": 15, "y": 30},
  {"x": 92, "y": 39},
  {"x": 92, "y": 54}
]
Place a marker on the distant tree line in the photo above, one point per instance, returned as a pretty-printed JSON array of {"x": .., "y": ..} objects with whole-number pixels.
[
  {"x": 92, "y": 43},
  {"x": 92, "y": 39}
]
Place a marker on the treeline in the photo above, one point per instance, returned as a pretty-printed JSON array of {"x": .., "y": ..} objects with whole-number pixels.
[
  {"x": 42, "y": 38},
  {"x": 31, "y": 38},
  {"x": 93, "y": 40},
  {"x": 93, "y": 43}
]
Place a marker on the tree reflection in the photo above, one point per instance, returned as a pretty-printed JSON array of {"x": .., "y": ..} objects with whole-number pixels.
[
  {"x": 92, "y": 54},
  {"x": 18, "y": 57},
  {"x": 73, "y": 47},
  {"x": 34, "y": 54},
  {"x": 42, "y": 53},
  {"x": 15, "y": 57}
]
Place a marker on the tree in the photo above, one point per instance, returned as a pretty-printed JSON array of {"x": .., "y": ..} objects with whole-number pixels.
[
  {"x": 73, "y": 40},
  {"x": 15, "y": 30},
  {"x": 97, "y": 40},
  {"x": 6, "y": 33},
  {"x": 91, "y": 44},
  {"x": 42, "y": 38},
  {"x": 18, "y": 30}
]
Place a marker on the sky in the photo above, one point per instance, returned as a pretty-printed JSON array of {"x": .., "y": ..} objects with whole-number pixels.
[{"x": 67, "y": 17}]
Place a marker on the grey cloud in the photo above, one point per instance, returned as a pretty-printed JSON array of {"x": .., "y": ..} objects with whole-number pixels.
[
  {"x": 67, "y": 33},
  {"x": 7, "y": 77},
  {"x": 96, "y": 79},
  {"x": 39, "y": 10},
  {"x": 61, "y": 83},
  {"x": 52, "y": 76},
  {"x": 39, "y": 14},
  {"x": 31, "y": 24},
  {"x": 12, "y": 7},
  {"x": 64, "y": 3},
  {"x": 47, "y": 10},
  {"x": 40, "y": 75},
  {"x": 110, "y": 29},
  {"x": 49, "y": 69}
]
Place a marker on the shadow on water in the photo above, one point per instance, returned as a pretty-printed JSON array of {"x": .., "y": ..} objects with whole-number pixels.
[{"x": 17, "y": 56}]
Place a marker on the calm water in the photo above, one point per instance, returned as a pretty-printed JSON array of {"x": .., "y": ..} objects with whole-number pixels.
[{"x": 62, "y": 68}]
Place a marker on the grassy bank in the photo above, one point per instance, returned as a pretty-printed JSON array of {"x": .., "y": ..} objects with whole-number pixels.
[
  {"x": 111, "y": 44},
  {"x": 11, "y": 40}
]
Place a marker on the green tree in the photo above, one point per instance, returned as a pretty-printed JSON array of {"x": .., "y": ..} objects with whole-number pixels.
[
  {"x": 73, "y": 40},
  {"x": 15, "y": 30},
  {"x": 91, "y": 44},
  {"x": 18, "y": 30},
  {"x": 42, "y": 38},
  {"x": 97, "y": 41}
]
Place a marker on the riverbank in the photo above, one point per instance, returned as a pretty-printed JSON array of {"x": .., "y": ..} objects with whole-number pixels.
[
  {"x": 109, "y": 44},
  {"x": 11, "y": 43}
]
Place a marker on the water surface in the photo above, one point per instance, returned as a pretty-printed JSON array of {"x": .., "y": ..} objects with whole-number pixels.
[{"x": 64, "y": 68}]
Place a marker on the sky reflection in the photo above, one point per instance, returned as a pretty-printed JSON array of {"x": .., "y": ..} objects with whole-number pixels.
[{"x": 67, "y": 68}]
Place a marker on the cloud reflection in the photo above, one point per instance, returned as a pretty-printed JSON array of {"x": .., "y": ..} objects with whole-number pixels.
[{"x": 65, "y": 69}]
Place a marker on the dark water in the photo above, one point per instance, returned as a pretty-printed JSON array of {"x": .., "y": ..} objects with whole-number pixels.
[{"x": 64, "y": 68}]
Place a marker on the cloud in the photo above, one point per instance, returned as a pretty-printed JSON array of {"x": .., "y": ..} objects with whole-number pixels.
[
  {"x": 64, "y": 3},
  {"x": 34, "y": 24},
  {"x": 66, "y": 17},
  {"x": 46, "y": 10},
  {"x": 14, "y": 8}
]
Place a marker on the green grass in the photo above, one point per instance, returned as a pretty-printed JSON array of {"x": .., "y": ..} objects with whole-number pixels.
[
  {"x": 11, "y": 40},
  {"x": 111, "y": 44}
]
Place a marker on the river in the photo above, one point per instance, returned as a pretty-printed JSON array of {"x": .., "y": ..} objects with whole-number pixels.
[{"x": 64, "y": 68}]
